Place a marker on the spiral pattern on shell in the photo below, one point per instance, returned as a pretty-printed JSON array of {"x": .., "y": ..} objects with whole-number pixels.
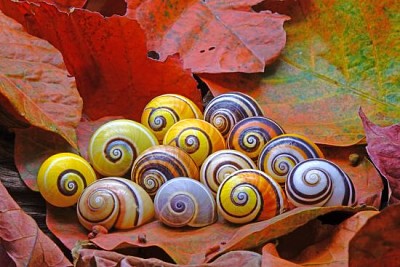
[
  {"x": 225, "y": 110},
  {"x": 250, "y": 195},
  {"x": 165, "y": 110},
  {"x": 62, "y": 178},
  {"x": 185, "y": 202},
  {"x": 251, "y": 134},
  {"x": 283, "y": 152},
  {"x": 115, "y": 145},
  {"x": 220, "y": 165},
  {"x": 161, "y": 163},
  {"x": 319, "y": 182},
  {"x": 196, "y": 137},
  {"x": 114, "y": 203}
]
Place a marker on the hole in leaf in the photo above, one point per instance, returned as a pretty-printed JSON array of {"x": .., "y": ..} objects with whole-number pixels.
[
  {"x": 202, "y": 51},
  {"x": 153, "y": 55},
  {"x": 211, "y": 48}
]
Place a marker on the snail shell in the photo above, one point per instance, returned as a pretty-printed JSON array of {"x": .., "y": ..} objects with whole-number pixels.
[
  {"x": 220, "y": 165},
  {"x": 165, "y": 110},
  {"x": 251, "y": 134},
  {"x": 114, "y": 202},
  {"x": 158, "y": 164},
  {"x": 225, "y": 110},
  {"x": 62, "y": 178},
  {"x": 184, "y": 201},
  {"x": 283, "y": 152},
  {"x": 319, "y": 182},
  {"x": 196, "y": 137},
  {"x": 115, "y": 145},
  {"x": 250, "y": 195}
]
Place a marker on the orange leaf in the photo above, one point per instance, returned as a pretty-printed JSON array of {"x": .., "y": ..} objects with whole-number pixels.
[
  {"x": 108, "y": 58},
  {"x": 213, "y": 36},
  {"x": 22, "y": 242},
  {"x": 34, "y": 85},
  {"x": 339, "y": 56},
  {"x": 377, "y": 243}
]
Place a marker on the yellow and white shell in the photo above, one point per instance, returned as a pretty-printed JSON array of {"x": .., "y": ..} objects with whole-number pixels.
[
  {"x": 62, "y": 178},
  {"x": 250, "y": 195},
  {"x": 283, "y": 152},
  {"x": 185, "y": 202},
  {"x": 161, "y": 163},
  {"x": 251, "y": 134},
  {"x": 115, "y": 145},
  {"x": 114, "y": 202},
  {"x": 165, "y": 110},
  {"x": 225, "y": 110},
  {"x": 196, "y": 137},
  {"x": 220, "y": 165},
  {"x": 319, "y": 182}
]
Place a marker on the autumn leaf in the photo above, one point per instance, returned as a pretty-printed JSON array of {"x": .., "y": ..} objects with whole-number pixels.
[
  {"x": 34, "y": 86},
  {"x": 339, "y": 55},
  {"x": 384, "y": 150},
  {"x": 22, "y": 242},
  {"x": 377, "y": 243},
  {"x": 107, "y": 57},
  {"x": 213, "y": 36}
]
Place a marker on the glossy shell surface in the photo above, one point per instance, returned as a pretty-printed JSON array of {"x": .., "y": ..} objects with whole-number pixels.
[
  {"x": 161, "y": 163},
  {"x": 220, "y": 165},
  {"x": 115, "y": 145},
  {"x": 251, "y": 134},
  {"x": 250, "y": 195},
  {"x": 185, "y": 202},
  {"x": 62, "y": 178},
  {"x": 196, "y": 137},
  {"x": 114, "y": 203},
  {"x": 319, "y": 182},
  {"x": 225, "y": 110},
  {"x": 165, "y": 110},
  {"x": 283, "y": 152}
]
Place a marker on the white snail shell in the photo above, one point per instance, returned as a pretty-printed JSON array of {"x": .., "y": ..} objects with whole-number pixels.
[
  {"x": 114, "y": 202},
  {"x": 220, "y": 165},
  {"x": 161, "y": 163},
  {"x": 115, "y": 145},
  {"x": 185, "y": 202},
  {"x": 319, "y": 182},
  {"x": 225, "y": 110},
  {"x": 283, "y": 152}
]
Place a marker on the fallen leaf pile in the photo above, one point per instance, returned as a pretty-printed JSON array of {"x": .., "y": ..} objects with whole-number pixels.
[{"x": 323, "y": 69}]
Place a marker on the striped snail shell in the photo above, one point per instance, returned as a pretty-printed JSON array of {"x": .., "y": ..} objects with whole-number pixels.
[
  {"x": 251, "y": 134},
  {"x": 220, "y": 165},
  {"x": 250, "y": 195},
  {"x": 225, "y": 110},
  {"x": 185, "y": 202},
  {"x": 161, "y": 163},
  {"x": 114, "y": 202},
  {"x": 319, "y": 182},
  {"x": 62, "y": 178},
  {"x": 196, "y": 137},
  {"x": 165, "y": 110},
  {"x": 283, "y": 152},
  {"x": 115, "y": 145}
]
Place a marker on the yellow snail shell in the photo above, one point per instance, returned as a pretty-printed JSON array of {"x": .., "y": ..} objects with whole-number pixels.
[
  {"x": 319, "y": 182},
  {"x": 161, "y": 163},
  {"x": 225, "y": 110},
  {"x": 250, "y": 195},
  {"x": 283, "y": 152},
  {"x": 115, "y": 145},
  {"x": 114, "y": 202},
  {"x": 220, "y": 165},
  {"x": 251, "y": 134},
  {"x": 196, "y": 137},
  {"x": 165, "y": 110},
  {"x": 185, "y": 202},
  {"x": 62, "y": 178}
]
